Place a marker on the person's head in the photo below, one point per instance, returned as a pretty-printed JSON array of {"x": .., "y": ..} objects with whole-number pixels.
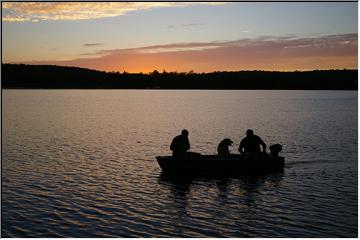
[
  {"x": 227, "y": 142},
  {"x": 249, "y": 133},
  {"x": 184, "y": 133}
]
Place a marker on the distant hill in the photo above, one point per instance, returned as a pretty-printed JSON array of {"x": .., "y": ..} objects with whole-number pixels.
[{"x": 53, "y": 77}]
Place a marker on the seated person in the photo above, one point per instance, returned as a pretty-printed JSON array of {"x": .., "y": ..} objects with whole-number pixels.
[
  {"x": 275, "y": 149},
  {"x": 251, "y": 143},
  {"x": 180, "y": 144},
  {"x": 223, "y": 148}
]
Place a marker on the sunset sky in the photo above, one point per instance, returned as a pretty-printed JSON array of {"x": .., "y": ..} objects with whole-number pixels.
[{"x": 203, "y": 37}]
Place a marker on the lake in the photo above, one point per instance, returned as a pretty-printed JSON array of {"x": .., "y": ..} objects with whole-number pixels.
[{"x": 81, "y": 163}]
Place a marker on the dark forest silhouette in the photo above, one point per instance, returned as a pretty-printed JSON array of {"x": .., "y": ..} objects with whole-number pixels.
[{"x": 50, "y": 76}]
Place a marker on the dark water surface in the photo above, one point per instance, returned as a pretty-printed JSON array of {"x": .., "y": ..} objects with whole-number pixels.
[{"x": 81, "y": 163}]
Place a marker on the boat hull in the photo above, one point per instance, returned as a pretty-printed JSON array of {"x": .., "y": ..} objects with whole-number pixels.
[{"x": 237, "y": 163}]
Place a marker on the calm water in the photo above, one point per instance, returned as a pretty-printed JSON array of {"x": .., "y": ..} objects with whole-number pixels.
[{"x": 80, "y": 163}]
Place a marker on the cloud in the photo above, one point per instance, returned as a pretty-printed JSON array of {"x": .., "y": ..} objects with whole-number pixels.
[
  {"x": 185, "y": 25},
  {"x": 264, "y": 42},
  {"x": 43, "y": 11},
  {"x": 92, "y": 44},
  {"x": 265, "y": 53}
]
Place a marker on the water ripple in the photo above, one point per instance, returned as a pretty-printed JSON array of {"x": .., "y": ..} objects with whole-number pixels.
[{"x": 77, "y": 165}]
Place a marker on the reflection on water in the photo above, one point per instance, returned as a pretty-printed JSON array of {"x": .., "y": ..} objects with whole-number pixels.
[
  {"x": 248, "y": 185},
  {"x": 188, "y": 204},
  {"x": 81, "y": 163}
]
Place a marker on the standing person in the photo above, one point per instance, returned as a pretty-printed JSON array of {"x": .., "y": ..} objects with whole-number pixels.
[
  {"x": 180, "y": 144},
  {"x": 251, "y": 143}
]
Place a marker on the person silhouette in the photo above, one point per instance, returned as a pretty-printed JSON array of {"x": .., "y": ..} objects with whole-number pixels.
[
  {"x": 223, "y": 148},
  {"x": 180, "y": 144},
  {"x": 251, "y": 143}
]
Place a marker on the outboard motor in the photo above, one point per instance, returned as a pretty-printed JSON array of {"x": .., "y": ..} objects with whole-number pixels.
[{"x": 275, "y": 149}]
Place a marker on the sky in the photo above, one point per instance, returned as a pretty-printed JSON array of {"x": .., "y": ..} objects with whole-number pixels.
[{"x": 180, "y": 36}]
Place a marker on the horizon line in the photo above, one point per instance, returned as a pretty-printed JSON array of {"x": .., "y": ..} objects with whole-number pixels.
[{"x": 188, "y": 72}]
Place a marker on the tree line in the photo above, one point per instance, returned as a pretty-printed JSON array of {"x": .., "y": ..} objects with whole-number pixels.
[{"x": 62, "y": 77}]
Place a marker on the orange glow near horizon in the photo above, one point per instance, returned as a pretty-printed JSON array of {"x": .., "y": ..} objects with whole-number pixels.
[
  {"x": 300, "y": 65},
  {"x": 145, "y": 65},
  {"x": 327, "y": 52}
]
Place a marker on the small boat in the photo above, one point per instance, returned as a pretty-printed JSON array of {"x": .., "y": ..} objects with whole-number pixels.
[{"x": 236, "y": 163}]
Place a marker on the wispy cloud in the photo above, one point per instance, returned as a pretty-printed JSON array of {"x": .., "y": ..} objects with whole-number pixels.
[
  {"x": 43, "y": 11},
  {"x": 185, "y": 25},
  {"x": 92, "y": 44},
  {"x": 334, "y": 42},
  {"x": 267, "y": 53}
]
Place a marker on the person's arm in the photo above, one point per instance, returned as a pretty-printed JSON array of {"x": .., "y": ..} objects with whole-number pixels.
[
  {"x": 172, "y": 145},
  {"x": 187, "y": 144},
  {"x": 241, "y": 146},
  {"x": 262, "y": 144}
]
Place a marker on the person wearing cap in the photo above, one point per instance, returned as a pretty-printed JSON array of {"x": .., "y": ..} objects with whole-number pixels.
[
  {"x": 180, "y": 144},
  {"x": 251, "y": 143}
]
